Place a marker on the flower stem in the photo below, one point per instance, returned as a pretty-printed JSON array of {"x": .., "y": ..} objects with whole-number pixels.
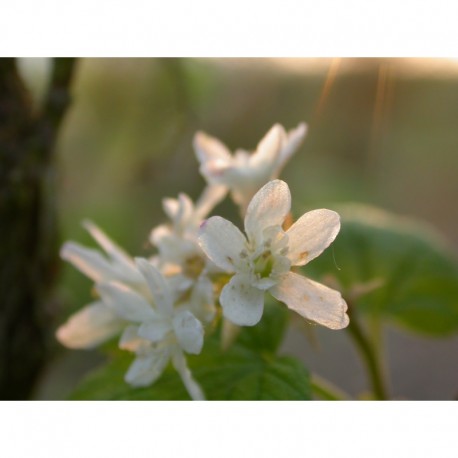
[
  {"x": 326, "y": 390},
  {"x": 370, "y": 356}
]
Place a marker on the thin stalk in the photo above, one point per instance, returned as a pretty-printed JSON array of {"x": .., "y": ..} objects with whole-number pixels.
[
  {"x": 370, "y": 357},
  {"x": 326, "y": 390}
]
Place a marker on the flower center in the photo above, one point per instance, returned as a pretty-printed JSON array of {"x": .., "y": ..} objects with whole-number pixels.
[
  {"x": 193, "y": 266},
  {"x": 263, "y": 264}
]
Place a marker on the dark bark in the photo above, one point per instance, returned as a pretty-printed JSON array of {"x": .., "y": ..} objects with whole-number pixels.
[{"x": 28, "y": 229}]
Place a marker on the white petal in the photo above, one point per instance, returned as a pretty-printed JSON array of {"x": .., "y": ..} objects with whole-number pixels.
[
  {"x": 125, "y": 302},
  {"x": 189, "y": 332},
  {"x": 193, "y": 388},
  {"x": 210, "y": 197},
  {"x": 155, "y": 330},
  {"x": 89, "y": 261},
  {"x": 158, "y": 233},
  {"x": 202, "y": 303},
  {"x": 268, "y": 148},
  {"x": 222, "y": 242},
  {"x": 264, "y": 283},
  {"x": 131, "y": 341},
  {"x": 242, "y": 303},
  {"x": 281, "y": 265},
  {"x": 117, "y": 254},
  {"x": 311, "y": 234},
  {"x": 209, "y": 148},
  {"x": 89, "y": 327},
  {"x": 240, "y": 163},
  {"x": 275, "y": 238},
  {"x": 312, "y": 300},
  {"x": 291, "y": 143},
  {"x": 179, "y": 211},
  {"x": 216, "y": 171},
  {"x": 170, "y": 207},
  {"x": 269, "y": 207},
  {"x": 186, "y": 207},
  {"x": 148, "y": 367},
  {"x": 178, "y": 284},
  {"x": 173, "y": 248},
  {"x": 159, "y": 288}
]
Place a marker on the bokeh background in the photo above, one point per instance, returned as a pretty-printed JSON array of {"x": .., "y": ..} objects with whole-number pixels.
[{"x": 381, "y": 131}]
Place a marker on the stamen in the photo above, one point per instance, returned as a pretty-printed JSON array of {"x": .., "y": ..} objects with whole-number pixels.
[{"x": 263, "y": 265}]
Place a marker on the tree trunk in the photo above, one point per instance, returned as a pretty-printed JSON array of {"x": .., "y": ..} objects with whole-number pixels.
[{"x": 28, "y": 226}]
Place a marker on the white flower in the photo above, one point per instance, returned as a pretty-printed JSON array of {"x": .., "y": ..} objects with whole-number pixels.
[
  {"x": 154, "y": 326},
  {"x": 185, "y": 216},
  {"x": 180, "y": 256},
  {"x": 244, "y": 173},
  {"x": 161, "y": 330},
  {"x": 117, "y": 265},
  {"x": 262, "y": 260},
  {"x": 179, "y": 251},
  {"x": 96, "y": 323}
]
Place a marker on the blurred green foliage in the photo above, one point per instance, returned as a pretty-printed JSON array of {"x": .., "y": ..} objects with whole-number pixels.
[{"x": 239, "y": 374}]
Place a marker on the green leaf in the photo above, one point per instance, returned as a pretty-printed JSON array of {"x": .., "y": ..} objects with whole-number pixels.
[
  {"x": 405, "y": 267},
  {"x": 107, "y": 383},
  {"x": 237, "y": 374}
]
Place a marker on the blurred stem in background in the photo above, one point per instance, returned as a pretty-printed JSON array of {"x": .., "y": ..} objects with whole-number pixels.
[
  {"x": 369, "y": 354},
  {"x": 326, "y": 390},
  {"x": 28, "y": 229}
]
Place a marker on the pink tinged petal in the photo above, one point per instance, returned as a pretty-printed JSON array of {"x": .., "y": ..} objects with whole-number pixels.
[
  {"x": 147, "y": 367},
  {"x": 291, "y": 143},
  {"x": 240, "y": 162},
  {"x": 216, "y": 172},
  {"x": 209, "y": 148},
  {"x": 131, "y": 341},
  {"x": 189, "y": 332},
  {"x": 159, "y": 288},
  {"x": 242, "y": 303},
  {"x": 89, "y": 327},
  {"x": 312, "y": 300},
  {"x": 269, "y": 207},
  {"x": 155, "y": 330},
  {"x": 222, "y": 242},
  {"x": 311, "y": 234},
  {"x": 193, "y": 388},
  {"x": 125, "y": 302},
  {"x": 268, "y": 148},
  {"x": 88, "y": 261}
]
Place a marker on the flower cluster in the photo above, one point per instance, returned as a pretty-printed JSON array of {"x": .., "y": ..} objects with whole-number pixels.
[{"x": 161, "y": 306}]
